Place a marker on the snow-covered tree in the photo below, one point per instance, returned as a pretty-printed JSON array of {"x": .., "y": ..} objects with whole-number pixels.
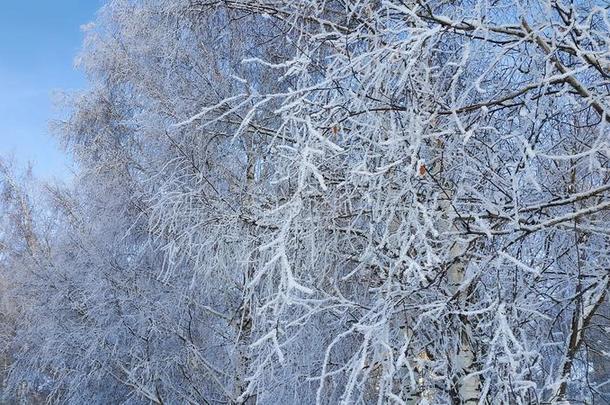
[{"x": 329, "y": 202}]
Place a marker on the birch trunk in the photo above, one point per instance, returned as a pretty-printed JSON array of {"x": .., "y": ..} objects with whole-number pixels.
[
  {"x": 466, "y": 387},
  {"x": 244, "y": 322}
]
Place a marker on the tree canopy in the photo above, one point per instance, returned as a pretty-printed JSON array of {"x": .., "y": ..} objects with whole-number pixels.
[{"x": 316, "y": 201}]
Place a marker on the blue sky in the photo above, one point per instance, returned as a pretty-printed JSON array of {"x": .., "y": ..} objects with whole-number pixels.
[{"x": 38, "y": 42}]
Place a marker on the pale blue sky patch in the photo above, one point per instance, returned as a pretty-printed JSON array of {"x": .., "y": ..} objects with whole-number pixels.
[{"x": 38, "y": 43}]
